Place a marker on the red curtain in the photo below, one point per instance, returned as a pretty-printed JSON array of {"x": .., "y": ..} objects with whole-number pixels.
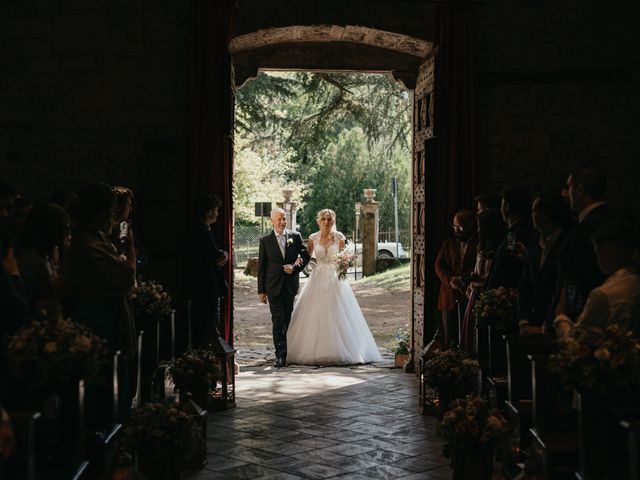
[
  {"x": 454, "y": 174},
  {"x": 209, "y": 166}
]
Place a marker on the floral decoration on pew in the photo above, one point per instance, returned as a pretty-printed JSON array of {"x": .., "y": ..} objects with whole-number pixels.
[
  {"x": 451, "y": 373},
  {"x": 599, "y": 359},
  {"x": 44, "y": 356},
  {"x": 197, "y": 371},
  {"x": 497, "y": 307},
  {"x": 163, "y": 433},
  {"x": 150, "y": 299},
  {"x": 471, "y": 423}
]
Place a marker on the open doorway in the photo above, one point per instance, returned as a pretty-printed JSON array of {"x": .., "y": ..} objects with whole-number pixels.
[{"x": 311, "y": 140}]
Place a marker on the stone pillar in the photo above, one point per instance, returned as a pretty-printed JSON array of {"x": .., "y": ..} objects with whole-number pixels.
[
  {"x": 369, "y": 232},
  {"x": 290, "y": 208}
]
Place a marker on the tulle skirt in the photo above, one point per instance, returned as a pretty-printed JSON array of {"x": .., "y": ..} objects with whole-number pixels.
[{"x": 327, "y": 326}]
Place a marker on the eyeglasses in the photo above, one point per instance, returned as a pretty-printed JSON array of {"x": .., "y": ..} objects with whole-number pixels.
[{"x": 457, "y": 227}]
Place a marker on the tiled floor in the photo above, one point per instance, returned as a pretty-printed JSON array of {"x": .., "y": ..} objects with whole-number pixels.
[{"x": 312, "y": 423}]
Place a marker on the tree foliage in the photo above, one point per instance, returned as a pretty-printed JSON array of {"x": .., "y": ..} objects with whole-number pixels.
[{"x": 327, "y": 135}]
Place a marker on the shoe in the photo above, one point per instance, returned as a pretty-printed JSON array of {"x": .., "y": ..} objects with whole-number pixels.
[{"x": 279, "y": 362}]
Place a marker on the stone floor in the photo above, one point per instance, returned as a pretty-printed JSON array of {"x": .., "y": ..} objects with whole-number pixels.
[{"x": 297, "y": 422}]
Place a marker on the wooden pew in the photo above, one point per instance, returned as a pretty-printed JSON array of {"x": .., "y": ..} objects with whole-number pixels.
[
  {"x": 601, "y": 439},
  {"x": 519, "y": 403},
  {"x": 103, "y": 444},
  {"x": 137, "y": 401},
  {"x": 24, "y": 460},
  {"x": 159, "y": 375},
  {"x": 496, "y": 380},
  {"x": 554, "y": 427},
  {"x": 633, "y": 431}
]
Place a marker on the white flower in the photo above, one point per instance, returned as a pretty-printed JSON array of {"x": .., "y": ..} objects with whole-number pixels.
[{"x": 289, "y": 241}]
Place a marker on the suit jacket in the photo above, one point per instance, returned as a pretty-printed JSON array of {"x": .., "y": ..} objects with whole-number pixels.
[
  {"x": 448, "y": 265},
  {"x": 207, "y": 279},
  {"x": 538, "y": 283},
  {"x": 577, "y": 259},
  {"x": 272, "y": 278},
  {"x": 506, "y": 269}
]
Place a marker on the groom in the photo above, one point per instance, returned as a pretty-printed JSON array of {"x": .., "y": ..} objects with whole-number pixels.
[{"x": 281, "y": 257}]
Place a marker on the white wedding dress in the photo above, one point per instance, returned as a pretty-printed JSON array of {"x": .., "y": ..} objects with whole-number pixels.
[{"x": 327, "y": 325}]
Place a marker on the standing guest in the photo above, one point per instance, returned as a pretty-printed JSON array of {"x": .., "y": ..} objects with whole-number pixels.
[
  {"x": 490, "y": 236},
  {"x": 618, "y": 299},
  {"x": 100, "y": 280},
  {"x": 578, "y": 270},
  {"x": 552, "y": 220},
  {"x": 122, "y": 224},
  {"x": 487, "y": 201},
  {"x": 45, "y": 233},
  {"x": 207, "y": 281},
  {"x": 454, "y": 264},
  {"x": 506, "y": 269}
]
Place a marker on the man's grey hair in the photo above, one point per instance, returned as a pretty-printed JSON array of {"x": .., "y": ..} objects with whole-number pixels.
[{"x": 277, "y": 210}]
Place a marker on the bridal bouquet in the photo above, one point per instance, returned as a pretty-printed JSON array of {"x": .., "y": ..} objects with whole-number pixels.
[{"x": 344, "y": 261}]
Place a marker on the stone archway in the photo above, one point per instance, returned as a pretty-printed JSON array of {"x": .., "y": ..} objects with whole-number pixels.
[{"x": 352, "y": 48}]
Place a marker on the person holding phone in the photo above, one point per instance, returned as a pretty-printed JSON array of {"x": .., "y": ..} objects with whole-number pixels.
[
  {"x": 506, "y": 269},
  {"x": 618, "y": 299}
]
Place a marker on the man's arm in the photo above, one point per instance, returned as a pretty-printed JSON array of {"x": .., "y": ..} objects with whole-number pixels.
[
  {"x": 443, "y": 271},
  {"x": 262, "y": 268},
  {"x": 303, "y": 254}
]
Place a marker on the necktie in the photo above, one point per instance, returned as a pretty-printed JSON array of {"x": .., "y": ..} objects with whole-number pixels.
[{"x": 281, "y": 241}]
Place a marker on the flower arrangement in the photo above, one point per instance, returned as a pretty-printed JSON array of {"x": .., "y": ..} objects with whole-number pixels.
[
  {"x": 599, "y": 359},
  {"x": 150, "y": 299},
  {"x": 46, "y": 354},
  {"x": 194, "y": 371},
  {"x": 164, "y": 433},
  {"x": 497, "y": 307},
  {"x": 470, "y": 422},
  {"x": 344, "y": 261},
  {"x": 402, "y": 339},
  {"x": 451, "y": 373}
]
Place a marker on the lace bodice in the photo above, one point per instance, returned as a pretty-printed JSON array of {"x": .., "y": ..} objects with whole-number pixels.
[{"x": 325, "y": 253}]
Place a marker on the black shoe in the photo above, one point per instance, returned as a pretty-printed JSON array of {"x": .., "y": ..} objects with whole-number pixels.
[{"x": 279, "y": 362}]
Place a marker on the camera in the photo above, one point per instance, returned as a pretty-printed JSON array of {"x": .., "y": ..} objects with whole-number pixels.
[{"x": 124, "y": 229}]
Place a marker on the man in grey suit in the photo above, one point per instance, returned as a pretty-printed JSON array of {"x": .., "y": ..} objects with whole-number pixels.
[{"x": 282, "y": 255}]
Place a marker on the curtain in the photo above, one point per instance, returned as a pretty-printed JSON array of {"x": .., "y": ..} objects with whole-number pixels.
[
  {"x": 454, "y": 175},
  {"x": 209, "y": 166}
]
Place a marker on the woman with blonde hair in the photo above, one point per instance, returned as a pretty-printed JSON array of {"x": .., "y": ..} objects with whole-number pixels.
[{"x": 327, "y": 325}]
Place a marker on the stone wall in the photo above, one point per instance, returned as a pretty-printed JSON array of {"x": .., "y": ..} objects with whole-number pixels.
[
  {"x": 559, "y": 83},
  {"x": 96, "y": 90}
]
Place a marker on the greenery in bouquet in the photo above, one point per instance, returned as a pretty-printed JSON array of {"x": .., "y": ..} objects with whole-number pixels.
[
  {"x": 150, "y": 299},
  {"x": 163, "y": 432},
  {"x": 599, "y": 359},
  {"x": 194, "y": 370},
  {"x": 344, "y": 260},
  {"x": 402, "y": 341},
  {"x": 451, "y": 372},
  {"x": 44, "y": 355},
  {"x": 471, "y": 422},
  {"x": 497, "y": 307}
]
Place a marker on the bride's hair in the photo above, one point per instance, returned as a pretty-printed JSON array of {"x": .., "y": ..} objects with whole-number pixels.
[{"x": 331, "y": 213}]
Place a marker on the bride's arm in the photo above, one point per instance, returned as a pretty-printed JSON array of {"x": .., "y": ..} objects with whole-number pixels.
[
  {"x": 310, "y": 247},
  {"x": 342, "y": 244}
]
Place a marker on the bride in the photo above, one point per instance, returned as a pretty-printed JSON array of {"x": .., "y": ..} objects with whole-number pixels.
[{"x": 327, "y": 326}]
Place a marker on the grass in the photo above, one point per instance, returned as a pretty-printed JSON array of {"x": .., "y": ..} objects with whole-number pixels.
[{"x": 394, "y": 278}]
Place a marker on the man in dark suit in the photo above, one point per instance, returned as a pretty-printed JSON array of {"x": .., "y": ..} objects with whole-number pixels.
[
  {"x": 208, "y": 284},
  {"x": 281, "y": 257},
  {"x": 506, "y": 269},
  {"x": 454, "y": 265},
  {"x": 553, "y": 222},
  {"x": 578, "y": 268}
]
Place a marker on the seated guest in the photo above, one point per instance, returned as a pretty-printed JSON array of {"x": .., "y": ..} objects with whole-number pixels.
[
  {"x": 206, "y": 277},
  {"x": 45, "y": 232},
  {"x": 618, "y": 299},
  {"x": 490, "y": 236},
  {"x": 454, "y": 264},
  {"x": 506, "y": 269},
  {"x": 577, "y": 266},
  {"x": 552, "y": 220},
  {"x": 487, "y": 201},
  {"x": 99, "y": 280}
]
